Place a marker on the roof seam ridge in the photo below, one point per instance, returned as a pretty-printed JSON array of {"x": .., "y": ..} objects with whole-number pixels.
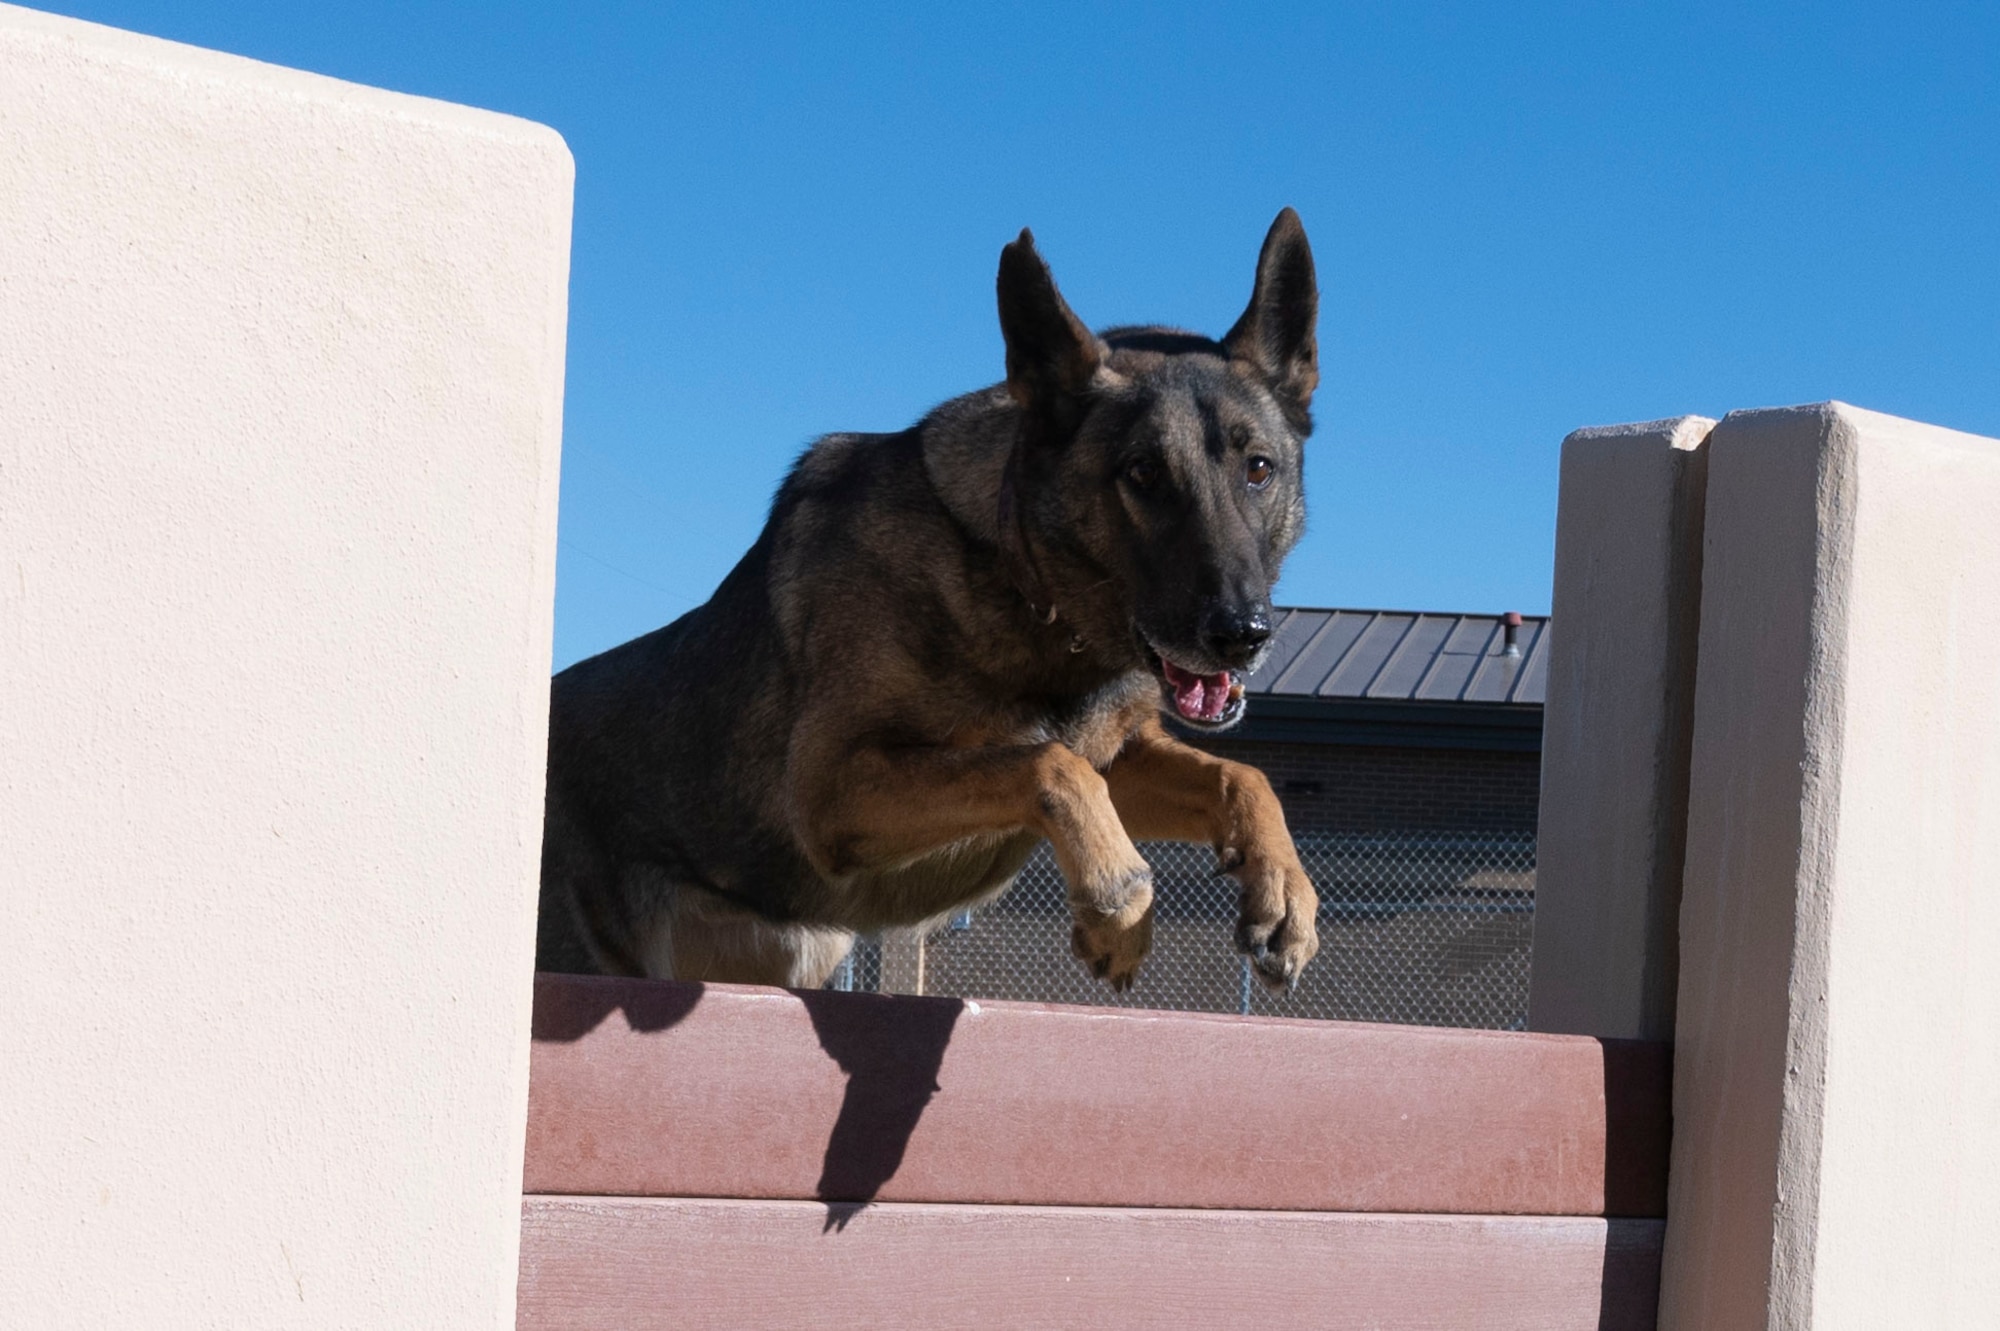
[
  {"x": 1437, "y": 657},
  {"x": 1527, "y": 661},
  {"x": 1401, "y": 640},
  {"x": 1485, "y": 655},
  {"x": 1345, "y": 652},
  {"x": 1304, "y": 649}
]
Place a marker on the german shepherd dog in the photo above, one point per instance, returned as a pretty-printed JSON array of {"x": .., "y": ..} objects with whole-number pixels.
[{"x": 950, "y": 643}]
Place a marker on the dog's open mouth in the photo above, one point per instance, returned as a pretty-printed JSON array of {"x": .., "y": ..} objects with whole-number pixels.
[{"x": 1209, "y": 701}]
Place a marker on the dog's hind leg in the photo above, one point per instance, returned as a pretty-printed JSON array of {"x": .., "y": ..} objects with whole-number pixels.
[
  {"x": 702, "y": 937},
  {"x": 583, "y": 927}
]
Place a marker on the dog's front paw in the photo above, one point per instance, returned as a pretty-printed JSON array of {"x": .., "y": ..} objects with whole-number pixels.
[
  {"x": 1113, "y": 943},
  {"x": 1276, "y": 926}
]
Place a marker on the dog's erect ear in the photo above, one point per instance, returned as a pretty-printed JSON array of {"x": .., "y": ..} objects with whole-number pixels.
[
  {"x": 1050, "y": 354},
  {"x": 1275, "y": 335}
]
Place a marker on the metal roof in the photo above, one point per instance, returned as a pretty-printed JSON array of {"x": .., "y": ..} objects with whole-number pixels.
[{"x": 1403, "y": 656}]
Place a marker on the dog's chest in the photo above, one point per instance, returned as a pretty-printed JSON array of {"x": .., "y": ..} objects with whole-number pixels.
[
  {"x": 964, "y": 874},
  {"x": 1095, "y": 738},
  {"x": 1096, "y": 726}
]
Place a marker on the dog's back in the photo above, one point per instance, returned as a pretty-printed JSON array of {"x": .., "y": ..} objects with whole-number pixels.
[{"x": 668, "y": 754}]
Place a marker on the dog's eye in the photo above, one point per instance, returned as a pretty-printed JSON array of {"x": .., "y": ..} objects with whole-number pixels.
[
  {"x": 1143, "y": 475},
  {"x": 1259, "y": 472}
]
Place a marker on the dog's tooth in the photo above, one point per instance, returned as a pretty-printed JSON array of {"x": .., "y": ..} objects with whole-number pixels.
[{"x": 1235, "y": 692}]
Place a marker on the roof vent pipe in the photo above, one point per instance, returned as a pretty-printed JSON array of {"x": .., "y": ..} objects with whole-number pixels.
[{"x": 1512, "y": 619}]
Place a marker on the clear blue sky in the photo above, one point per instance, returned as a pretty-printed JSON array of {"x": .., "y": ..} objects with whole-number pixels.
[{"x": 1527, "y": 218}]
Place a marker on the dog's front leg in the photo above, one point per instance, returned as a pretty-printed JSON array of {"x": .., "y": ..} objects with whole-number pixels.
[
  {"x": 878, "y": 806},
  {"x": 1170, "y": 791}
]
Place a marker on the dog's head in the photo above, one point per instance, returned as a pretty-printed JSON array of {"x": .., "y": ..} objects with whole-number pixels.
[{"x": 1159, "y": 478}]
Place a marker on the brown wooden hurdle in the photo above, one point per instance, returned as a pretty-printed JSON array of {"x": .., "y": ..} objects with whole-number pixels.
[{"x": 733, "y": 1156}]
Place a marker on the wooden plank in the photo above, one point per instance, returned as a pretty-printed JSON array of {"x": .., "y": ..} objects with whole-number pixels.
[
  {"x": 612, "y": 1264},
  {"x": 650, "y": 1089}
]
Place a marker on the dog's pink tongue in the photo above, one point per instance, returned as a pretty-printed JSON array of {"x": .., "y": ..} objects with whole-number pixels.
[{"x": 1198, "y": 697}]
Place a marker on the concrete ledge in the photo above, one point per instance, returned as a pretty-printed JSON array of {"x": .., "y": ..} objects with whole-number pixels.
[
  {"x": 606, "y": 1264},
  {"x": 667, "y": 1089}
]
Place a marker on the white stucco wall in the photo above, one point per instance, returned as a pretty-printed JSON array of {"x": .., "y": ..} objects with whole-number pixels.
[
  {"x": 1837, "y": 1058},
  {"x": 280, "y": 396},
  {"x": 1616, "y": 730}
]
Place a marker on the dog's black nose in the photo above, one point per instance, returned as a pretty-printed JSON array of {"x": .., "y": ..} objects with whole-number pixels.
[{"x": 1234, "y": 635}]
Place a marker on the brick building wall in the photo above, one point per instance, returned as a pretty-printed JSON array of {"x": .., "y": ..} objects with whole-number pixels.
[{"x": 1380, "y": 789}]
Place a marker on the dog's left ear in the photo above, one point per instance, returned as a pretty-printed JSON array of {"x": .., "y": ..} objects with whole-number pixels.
[
  {"x": 1051, "y": 356},
  {"x": 1275, "y": 334}
]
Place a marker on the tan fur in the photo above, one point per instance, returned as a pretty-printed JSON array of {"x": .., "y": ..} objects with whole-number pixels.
[
  {"x": 704, "y": 938},
  {"x": 1165, "y": 790}
]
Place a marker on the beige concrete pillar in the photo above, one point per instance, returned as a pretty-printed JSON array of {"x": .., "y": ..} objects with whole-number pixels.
[
  {"x": 1616, "y": 729},
  {"x": 280, "y": 395},
  {"x": 1836, "y": 1159}
]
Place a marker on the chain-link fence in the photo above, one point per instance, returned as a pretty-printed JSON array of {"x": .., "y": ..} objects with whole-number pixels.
[{"x": 1427, "y": 930}]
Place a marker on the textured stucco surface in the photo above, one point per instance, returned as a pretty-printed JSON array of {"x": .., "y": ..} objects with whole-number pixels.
[
  {"x": 1837, "y": 1068},
  {"x": 281, "y": 366},
  {"x": 1616, "y": 729},
  {"x": 1909, "y": 1190}
]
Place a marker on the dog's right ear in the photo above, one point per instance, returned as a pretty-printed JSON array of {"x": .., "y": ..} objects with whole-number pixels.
[
  {"x": 1276, "y": 333},
  {"x": 1051, "y": 356}
]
